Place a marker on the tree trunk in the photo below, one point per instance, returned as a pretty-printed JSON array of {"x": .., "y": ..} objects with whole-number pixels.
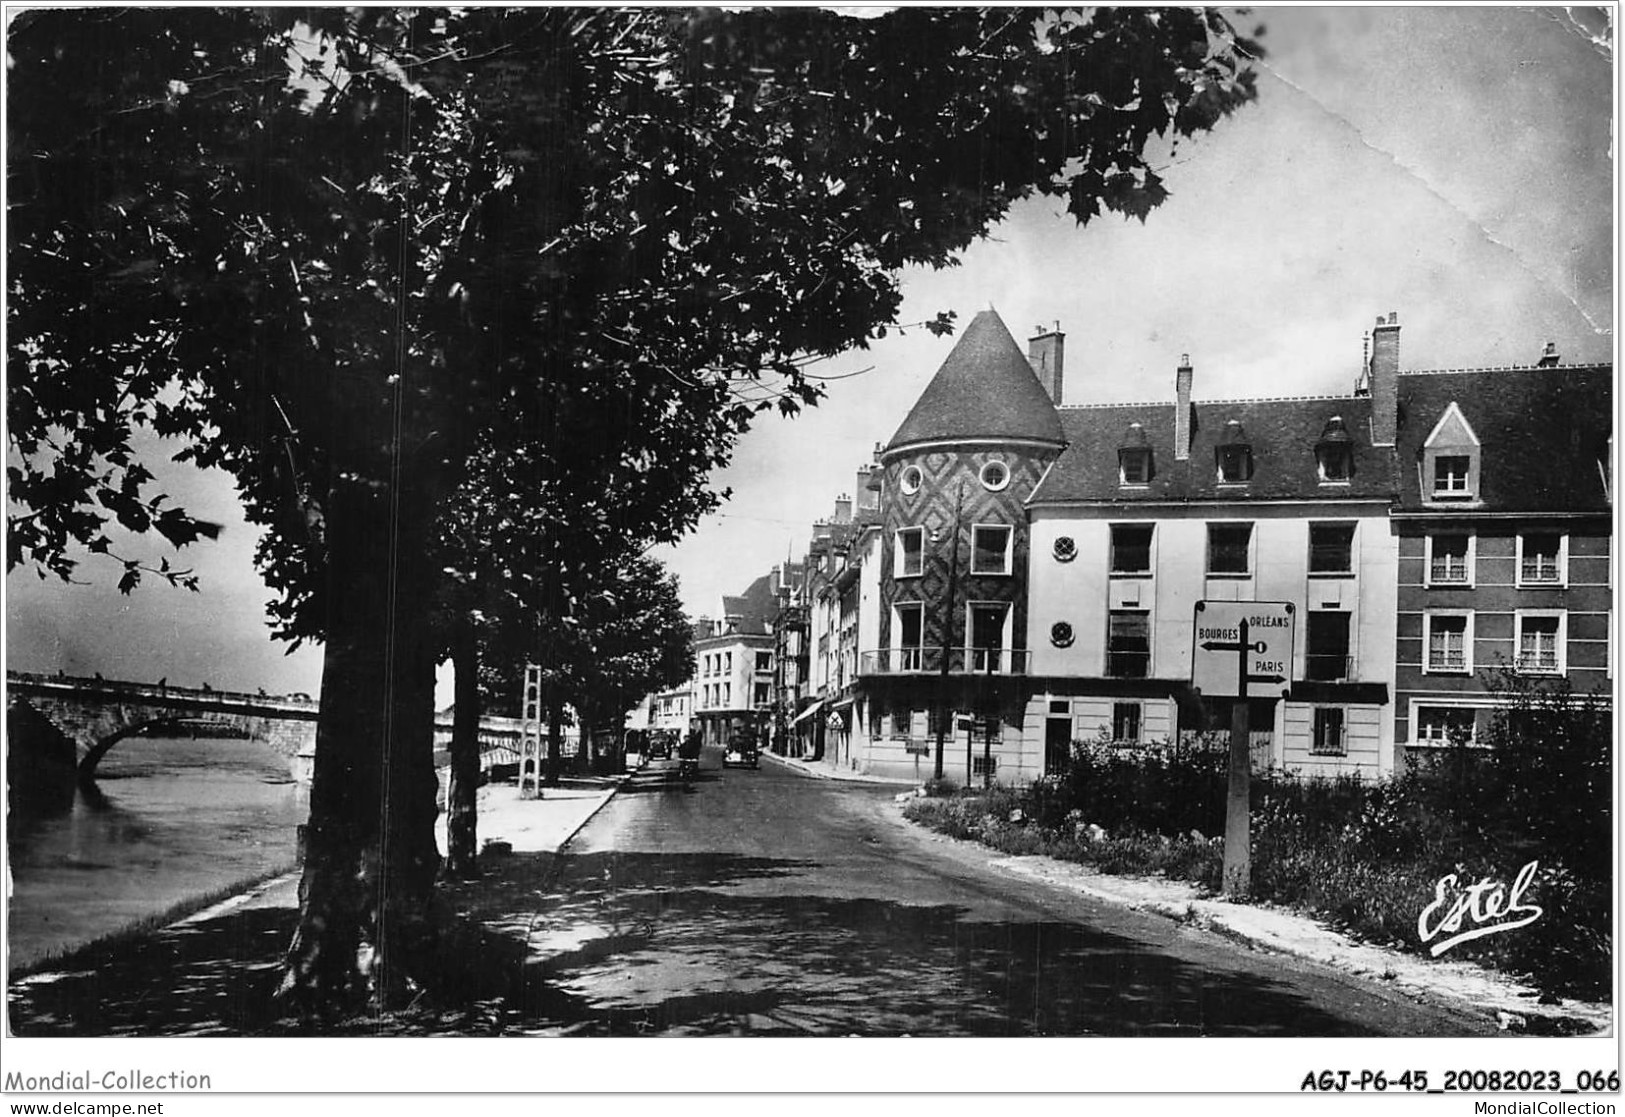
[
  {"x": 370, "y": 860},
  {"x": 462, "y": 808},
  {"x": 584, "y": 724},
  {"x": 555, "y": 733}
]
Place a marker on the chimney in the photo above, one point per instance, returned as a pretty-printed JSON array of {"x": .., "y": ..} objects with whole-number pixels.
[
  {"x": 868, "y": 488},
  {"x": 1549, "y": 356},
  {"x": 843, "y": 509},
  {"x": 820, "y": 530},
  {"x": 1384, "y": 379},
  {"x": 1184, "y": 376},
  {"x": 1046, "y": 352}
]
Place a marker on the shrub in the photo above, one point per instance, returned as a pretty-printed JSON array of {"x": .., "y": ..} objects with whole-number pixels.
[{"x": 1366, "y": 855}]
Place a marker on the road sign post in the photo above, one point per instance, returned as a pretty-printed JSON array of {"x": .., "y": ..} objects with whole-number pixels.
[{"x": 1259, "y": 634}]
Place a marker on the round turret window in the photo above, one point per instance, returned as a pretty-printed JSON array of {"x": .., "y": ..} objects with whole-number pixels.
[
  {"x": 1060, "y": 634},
  {"x": 995, "y": 476},
  {"x": 1066, "y": 549},
  {"x": 913, "y": 478}
]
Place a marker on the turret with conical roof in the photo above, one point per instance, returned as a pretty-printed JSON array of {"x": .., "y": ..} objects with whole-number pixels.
[{"x": 953, "y": 567}]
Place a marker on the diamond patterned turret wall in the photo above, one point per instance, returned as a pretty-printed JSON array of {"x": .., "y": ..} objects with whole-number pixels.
[{"x": 945, "y": 473}]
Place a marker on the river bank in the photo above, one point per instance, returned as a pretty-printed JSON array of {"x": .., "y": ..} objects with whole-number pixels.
[{"x": 225, "y": 953}]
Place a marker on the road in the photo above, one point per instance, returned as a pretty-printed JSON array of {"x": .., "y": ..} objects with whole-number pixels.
[{"x": 770, "y": 903}]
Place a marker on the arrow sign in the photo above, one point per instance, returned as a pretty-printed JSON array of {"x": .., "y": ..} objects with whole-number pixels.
[
  {"x": 1252, "y": 646},
  {"x": 1220, "y": 659}
]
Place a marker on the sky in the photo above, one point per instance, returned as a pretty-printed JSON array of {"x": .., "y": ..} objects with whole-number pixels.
[{"x": 1450, "y": 164}]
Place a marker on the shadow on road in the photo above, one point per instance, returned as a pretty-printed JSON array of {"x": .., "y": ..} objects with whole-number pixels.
[
  {"x": 646, "y": 943},
  {"x": 698, "y": 944}
]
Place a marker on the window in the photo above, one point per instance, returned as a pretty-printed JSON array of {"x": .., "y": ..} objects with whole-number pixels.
[
  {"x": 910, "y": 619},
  {"x": 1328, "y": 656},
  {"x": 1329, "y": 740},
  {"x": 1448, "y": 637},
  {"x": 1450, "y": 559},
  {"x": 761, "y": 698},
  {"x": 910, "y": 552},
  {"x": 1065, "y": 549},
  {"x": 1134, "y": 466},
  {"x": 1235, "y": 464},
  {"x": 1125, "y": 721},
  {"x": 1061, "y": 634},
  {"x": 987, "y": 636},
  {"x": 1331, "y": 548},
  {"x": 727, "y": 694},
  {"x": 990, "y": 549},
  {"x": 1540, "y": 559},
  {"x": 1452, "y": 475},
  {"x": 728, "y": 661},
  {"x": 1229, "y": 548},
  {"x": 1128, "y": 643},
  {"x": 995, "y": 475},
  {"x": 1131, "y": 548},
  {"x": 764, "y": 661},
  {"x": 912, "y": 479},
  {"x": 1334, "y": 451},
  {"x": 1541, "y": 642},
  {"x": 1335, "y": 460},
  {"x": 1443, "y": 724}
]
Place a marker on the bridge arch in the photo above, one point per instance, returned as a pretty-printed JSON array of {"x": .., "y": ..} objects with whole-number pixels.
[{"x": 94, "y": 753}]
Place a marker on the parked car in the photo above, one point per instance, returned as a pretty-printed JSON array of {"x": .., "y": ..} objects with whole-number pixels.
[
  {"x": 741, "y": 753},
  {"x": 660, "y": 746}
]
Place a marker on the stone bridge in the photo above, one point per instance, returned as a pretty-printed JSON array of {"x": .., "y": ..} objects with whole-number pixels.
[{"x": 96, "y": 714}]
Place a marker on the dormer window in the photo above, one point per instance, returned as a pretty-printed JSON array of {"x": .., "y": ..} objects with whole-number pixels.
[
  {"x": 1450, "y": 459},
  {"x": 1134, "y": 457},
  {"x": 1334, "y": 452},
  {"x": 1235, "y": 455},
  {"x": 1451, "y": 475}
]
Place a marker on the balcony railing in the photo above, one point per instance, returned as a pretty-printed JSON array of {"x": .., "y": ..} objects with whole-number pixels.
[
  {"x": 961, "y": 661},
  {"x": 1327, "y": 668}
]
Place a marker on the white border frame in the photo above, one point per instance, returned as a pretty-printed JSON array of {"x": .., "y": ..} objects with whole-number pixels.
[
  {"x": 1009, "y": 551},
  {"x": 1472, "y": 560},
  {"x": 1562, "y": 616},
  {"x": 1428, "y": 617},
  {"x": 1562, "y": 581}
]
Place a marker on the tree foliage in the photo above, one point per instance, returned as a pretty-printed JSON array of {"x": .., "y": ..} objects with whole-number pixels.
[{"x": 335, "y": 248}]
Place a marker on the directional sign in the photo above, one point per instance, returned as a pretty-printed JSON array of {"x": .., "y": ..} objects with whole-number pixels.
[{"x": 1217, "y": 653}]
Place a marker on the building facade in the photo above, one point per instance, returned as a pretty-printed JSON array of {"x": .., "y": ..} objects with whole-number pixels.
[
  {"x": 1504, "y": 527},
  {"x": 1016, "y": 575}
]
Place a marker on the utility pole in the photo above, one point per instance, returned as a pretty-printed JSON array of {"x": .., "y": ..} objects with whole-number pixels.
[{"x": 947, "y": 630}]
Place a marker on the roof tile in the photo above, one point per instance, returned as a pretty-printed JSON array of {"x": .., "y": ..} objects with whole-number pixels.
[{"x": 985, "y": 389}]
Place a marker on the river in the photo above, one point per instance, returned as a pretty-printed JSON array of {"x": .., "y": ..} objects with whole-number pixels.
[{"x": 174, "y": 818}]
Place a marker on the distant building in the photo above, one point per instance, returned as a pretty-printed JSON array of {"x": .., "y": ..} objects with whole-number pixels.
[{"x": 733, "y": 681}]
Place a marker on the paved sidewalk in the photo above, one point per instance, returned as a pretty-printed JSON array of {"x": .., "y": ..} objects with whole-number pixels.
[
  {"x": 542, "y": 825},
  {"x": 826, "y": 772}
]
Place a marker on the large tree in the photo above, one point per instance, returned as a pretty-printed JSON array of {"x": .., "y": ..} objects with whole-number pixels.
[{"x": 333, "y": 246}]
